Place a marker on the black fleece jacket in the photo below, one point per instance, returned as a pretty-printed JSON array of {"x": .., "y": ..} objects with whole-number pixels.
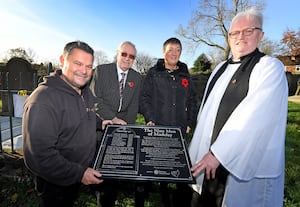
[{"x": 59, "y": 131}]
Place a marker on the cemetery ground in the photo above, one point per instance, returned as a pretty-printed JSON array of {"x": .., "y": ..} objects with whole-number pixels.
[{"x": 17, "y": 188}]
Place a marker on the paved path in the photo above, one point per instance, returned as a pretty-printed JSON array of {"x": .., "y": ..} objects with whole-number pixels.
[
  {"x": 16, "y": 132},
  {"x": 295, "y": 99}
]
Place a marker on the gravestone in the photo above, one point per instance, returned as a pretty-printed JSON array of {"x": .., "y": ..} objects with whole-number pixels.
[{"x": 16, "y": 75}]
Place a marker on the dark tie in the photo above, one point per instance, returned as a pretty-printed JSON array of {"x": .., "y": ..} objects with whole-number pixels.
[
  {"x": 122, "y": 83},
  {"x": 121, "y": 90}
]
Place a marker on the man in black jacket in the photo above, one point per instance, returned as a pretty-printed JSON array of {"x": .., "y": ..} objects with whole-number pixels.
[{"x": 59, "y": 129}]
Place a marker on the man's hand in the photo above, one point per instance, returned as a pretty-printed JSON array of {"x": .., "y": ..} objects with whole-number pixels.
[
  {"x": 91, "y": 176},
  {"x": 106, "y": 122},
  {"x": 150, "y": 123},
  {"x": 209, "y": 163},
  {"x": 116, "y": 120}
]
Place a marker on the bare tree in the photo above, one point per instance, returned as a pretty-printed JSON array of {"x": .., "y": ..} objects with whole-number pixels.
[
  {"x": 143, "y": 62},
  {"x": 209, "y": 24},
  {"x": 270, "y": 47},
  {"x": 216, "y": 56},
  {"x": 31, "y": 54},
  {"x": 28, "y": 54},
  {"x": 100, "y": 57}
]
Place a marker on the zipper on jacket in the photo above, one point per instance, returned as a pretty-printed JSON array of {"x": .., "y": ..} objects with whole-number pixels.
[{"x": 87, "y": 109}]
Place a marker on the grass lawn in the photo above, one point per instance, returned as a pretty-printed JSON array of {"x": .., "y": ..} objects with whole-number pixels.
[{"x": 17, "y": 189}]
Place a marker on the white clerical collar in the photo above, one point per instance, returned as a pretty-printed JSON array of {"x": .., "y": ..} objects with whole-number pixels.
[{"x": 232, "y": 61}]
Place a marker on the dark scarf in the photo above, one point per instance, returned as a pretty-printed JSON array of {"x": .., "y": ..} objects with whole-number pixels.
[
  {"x": 182, "y": 67},
  {"x": 237, "y": 89}
]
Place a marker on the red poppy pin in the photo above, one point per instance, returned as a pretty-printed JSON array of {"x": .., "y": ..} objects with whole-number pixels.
[
  {"x": 131, "y": 84},
  {"x": 184, "y": 82}
]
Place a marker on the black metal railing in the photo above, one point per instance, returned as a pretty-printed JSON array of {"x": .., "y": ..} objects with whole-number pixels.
[{"x": 7, "y": 95}]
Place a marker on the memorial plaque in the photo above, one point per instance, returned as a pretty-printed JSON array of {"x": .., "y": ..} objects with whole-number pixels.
[{"x": 133, "y": 152}]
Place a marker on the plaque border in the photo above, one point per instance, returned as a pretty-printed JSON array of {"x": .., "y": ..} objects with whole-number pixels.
[{"x": 106, "y": 174}]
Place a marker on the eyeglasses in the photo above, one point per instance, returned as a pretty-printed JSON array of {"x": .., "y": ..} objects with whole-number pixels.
[
  {"x": 125, "y": 54},
  {"x": 246, "y": 32}
]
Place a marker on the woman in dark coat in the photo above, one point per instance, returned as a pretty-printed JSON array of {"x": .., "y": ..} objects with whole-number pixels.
[{"x": 168, "y": 98}]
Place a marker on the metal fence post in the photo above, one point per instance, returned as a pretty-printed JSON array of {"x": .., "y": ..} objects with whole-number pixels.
[
  {"x": 1, "y": 150},
  {"x": 10, "y": 112}
]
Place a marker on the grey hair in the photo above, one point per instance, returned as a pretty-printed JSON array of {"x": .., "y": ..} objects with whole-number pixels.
[
  {"x": 127, "y": 43},
  {"x": 251, "y": 13}
]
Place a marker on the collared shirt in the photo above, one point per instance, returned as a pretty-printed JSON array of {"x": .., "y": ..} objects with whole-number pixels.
[{"x": 120, "y": 71}]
